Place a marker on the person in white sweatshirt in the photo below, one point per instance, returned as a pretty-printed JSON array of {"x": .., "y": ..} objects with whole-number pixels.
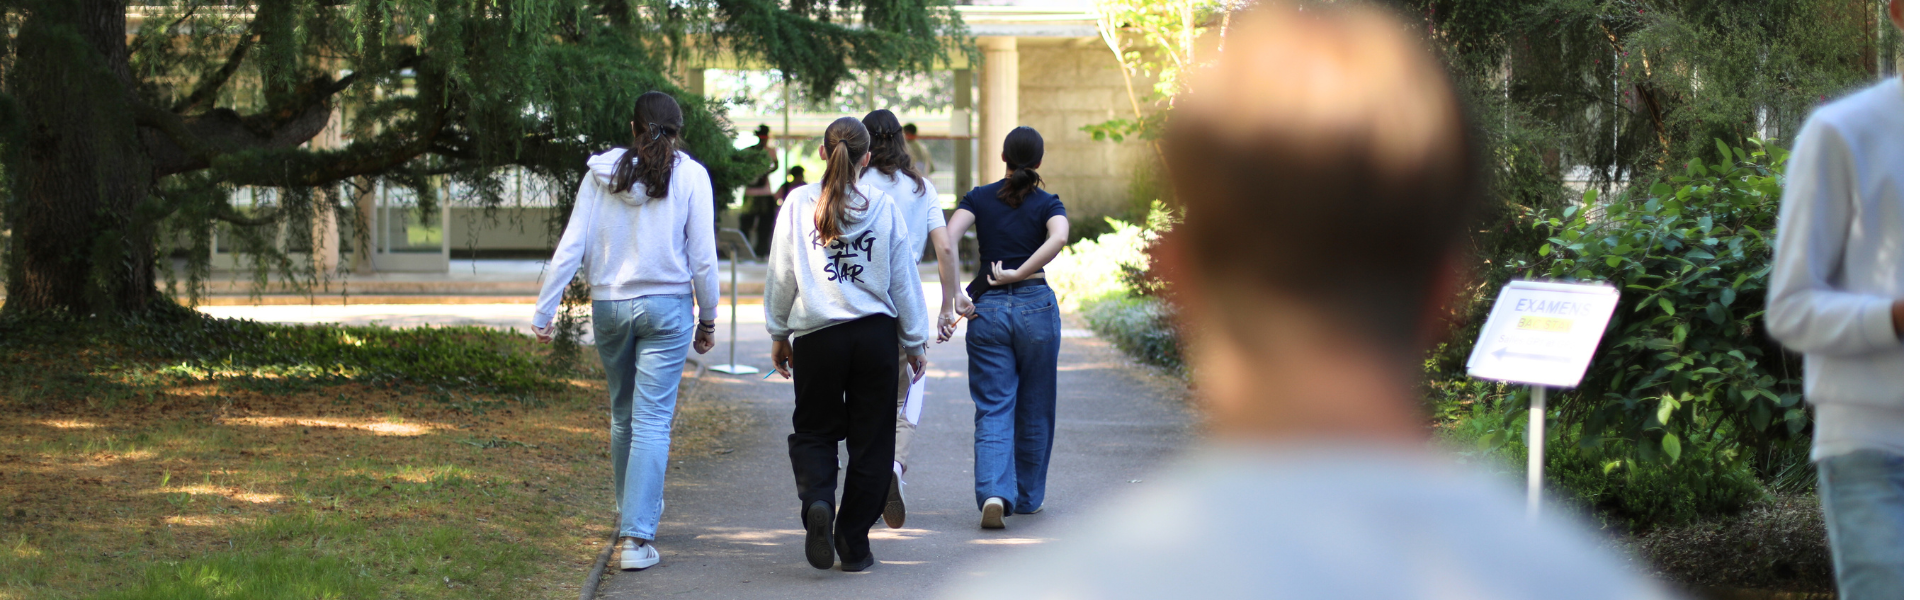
[
  {"x": 842, "y": 300},
  {"x": 892, "y": 170},
  {"x": 1837, "y": 296},
  {"x": 642, "y": 225}
]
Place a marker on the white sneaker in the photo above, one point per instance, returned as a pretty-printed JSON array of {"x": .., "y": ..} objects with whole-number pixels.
[
  {"x": 635, "y": 556},
  {"x": 895, "y": 510},
  {"x": 993, "y": 514}
]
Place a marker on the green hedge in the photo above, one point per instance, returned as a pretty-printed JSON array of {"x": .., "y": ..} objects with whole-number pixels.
[
  {"x": 1107, "y": 281},
  {"x": 1142, "y": 327}
]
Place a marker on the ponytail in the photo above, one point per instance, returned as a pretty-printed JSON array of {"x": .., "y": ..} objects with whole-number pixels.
[
  {"x": 649, "y": 159},
  {"x": 1022, "y": 150},
  {"x": 845, "y": 142}
]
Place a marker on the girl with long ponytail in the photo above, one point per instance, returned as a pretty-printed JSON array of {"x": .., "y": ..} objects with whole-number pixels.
[
  {"x": 642, "y": 227},
  {"x": 891, "y": 170},
  {"x": 1013, "y": 343},
  {"x": 843, "y": 302}
]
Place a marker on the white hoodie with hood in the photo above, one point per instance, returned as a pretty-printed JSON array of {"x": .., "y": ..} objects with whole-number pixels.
[
  {"x": 872, "y": 269},
  {"x": 633, "y": 245}
]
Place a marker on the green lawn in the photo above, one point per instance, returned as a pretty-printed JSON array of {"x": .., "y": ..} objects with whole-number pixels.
[{"x": 333, "y": 463}]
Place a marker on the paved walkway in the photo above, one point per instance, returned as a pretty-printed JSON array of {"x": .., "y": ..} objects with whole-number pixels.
[{"x": 732, "y": 526}]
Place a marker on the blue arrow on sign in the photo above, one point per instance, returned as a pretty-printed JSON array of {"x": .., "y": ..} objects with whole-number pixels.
[{"x": 1502, "y": 353}]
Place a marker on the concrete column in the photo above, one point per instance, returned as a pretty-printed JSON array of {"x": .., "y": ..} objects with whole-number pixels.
[
  {"x": 962, "y": 125},
  {"x": 325, "y": 226},
  {"x": 694, "y": 80},
  {"x": 999, "y": 102}
]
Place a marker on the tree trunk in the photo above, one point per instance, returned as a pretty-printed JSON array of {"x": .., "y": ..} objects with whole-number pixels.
[{"x": 83, "y": 235}]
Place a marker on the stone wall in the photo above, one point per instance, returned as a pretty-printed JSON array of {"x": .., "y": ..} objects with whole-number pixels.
[{"x": 1066, "y": 84}]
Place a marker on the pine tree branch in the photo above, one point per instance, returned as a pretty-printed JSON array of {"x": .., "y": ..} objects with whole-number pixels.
[
  {"x": 290, "y": 166},
  {"x": 211, "y": 83},
  {"x": 224, "y": 212}
]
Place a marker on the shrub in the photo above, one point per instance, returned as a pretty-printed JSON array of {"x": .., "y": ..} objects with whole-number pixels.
[
  {"x": 1686, "y": 402},
  {"x": 1604, "y": 482},
  {"x": 1685, "y": 368},
  {"x": 1098, "y": 269},
  {"x": 1108, "y": 281},
  {"x": 1142, "y": 327}
]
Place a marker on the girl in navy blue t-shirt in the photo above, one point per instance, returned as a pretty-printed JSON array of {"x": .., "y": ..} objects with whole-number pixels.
[{"x": 1013, "y": 339}]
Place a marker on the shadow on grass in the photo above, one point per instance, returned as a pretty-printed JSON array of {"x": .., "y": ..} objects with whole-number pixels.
[{"x": 135, "y": 467}]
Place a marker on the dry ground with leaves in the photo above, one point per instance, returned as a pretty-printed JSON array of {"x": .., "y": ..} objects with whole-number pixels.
[{"x": 203, "y": 490}]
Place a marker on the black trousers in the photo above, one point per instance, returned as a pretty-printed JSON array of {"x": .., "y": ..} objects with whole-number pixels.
[{"x": 843, "y": 385}]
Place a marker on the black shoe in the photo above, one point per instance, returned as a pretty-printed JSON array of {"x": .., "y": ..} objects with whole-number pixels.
[
  {"x": 895, "y": 511},
  {"x": 820, "y": 535},
  {"x": 852, "y": 565},
  {"x": 858, "y": 565}
]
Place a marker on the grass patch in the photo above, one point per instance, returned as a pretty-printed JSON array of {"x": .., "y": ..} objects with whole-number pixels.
[
  {"x": 340, "y": 473},
  {"x": 46, "y": 360}
]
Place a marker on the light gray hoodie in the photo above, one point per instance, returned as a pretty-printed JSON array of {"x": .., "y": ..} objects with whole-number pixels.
[
  {"x": 870, "y": 270},
  {"x": 633, "y": 245}
]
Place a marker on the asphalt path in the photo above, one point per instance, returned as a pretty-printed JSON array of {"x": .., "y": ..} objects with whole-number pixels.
[{"x": 732, "y": 526}]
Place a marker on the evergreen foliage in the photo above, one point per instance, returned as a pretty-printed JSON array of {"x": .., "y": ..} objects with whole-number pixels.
[{"x": 206, "y": 96}]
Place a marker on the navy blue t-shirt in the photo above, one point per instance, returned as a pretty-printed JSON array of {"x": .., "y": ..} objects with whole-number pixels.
[{"x": 1008, "y": 234}]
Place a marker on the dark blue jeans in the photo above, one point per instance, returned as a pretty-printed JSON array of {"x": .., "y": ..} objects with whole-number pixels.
[{"x": 1013, "y": 353}]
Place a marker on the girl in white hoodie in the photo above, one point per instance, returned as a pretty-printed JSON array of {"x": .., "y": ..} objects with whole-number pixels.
[
  {"x": 843, "y": 300},
  {"x": 642, "y": 225}
]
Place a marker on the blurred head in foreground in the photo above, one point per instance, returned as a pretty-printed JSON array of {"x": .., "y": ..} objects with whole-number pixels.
[{"x": 1329, "y": 175}]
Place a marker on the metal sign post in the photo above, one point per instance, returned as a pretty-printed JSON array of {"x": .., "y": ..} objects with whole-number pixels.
[
  {"x": 735, "y": 242},
  {"x": 1542, "y": 334},
  {"x": 1536, "y": 449}
]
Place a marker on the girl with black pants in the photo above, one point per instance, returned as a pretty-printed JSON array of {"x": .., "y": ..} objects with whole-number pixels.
[{"x": 842, "y": 300}]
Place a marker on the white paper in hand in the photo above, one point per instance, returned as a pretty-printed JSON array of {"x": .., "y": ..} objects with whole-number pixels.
[{"x": 914, "y": 394}]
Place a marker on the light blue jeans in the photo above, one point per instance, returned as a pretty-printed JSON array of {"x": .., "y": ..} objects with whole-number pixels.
[
  {"x": 1013, "y": 359},
  {"x": 1861, "y": 494},
  {"x": 643, "y": 344}
]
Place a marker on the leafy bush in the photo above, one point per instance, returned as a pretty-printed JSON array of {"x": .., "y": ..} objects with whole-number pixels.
[
  {"x": 1604, "y": 483},
  {"x": 1107, "y": 281},
  {"x": 1687, "y": 405},
  {"x": 1100, "y": 268},
  {"x": 1686, "y": 368},
  {"x": 1142, "y": 327}
]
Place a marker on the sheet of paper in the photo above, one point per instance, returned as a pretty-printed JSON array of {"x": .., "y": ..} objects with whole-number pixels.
[{"x": 915, "y": 393}]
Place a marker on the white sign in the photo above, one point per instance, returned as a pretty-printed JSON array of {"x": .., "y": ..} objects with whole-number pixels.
[{"x": 1542, "y": 333}]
